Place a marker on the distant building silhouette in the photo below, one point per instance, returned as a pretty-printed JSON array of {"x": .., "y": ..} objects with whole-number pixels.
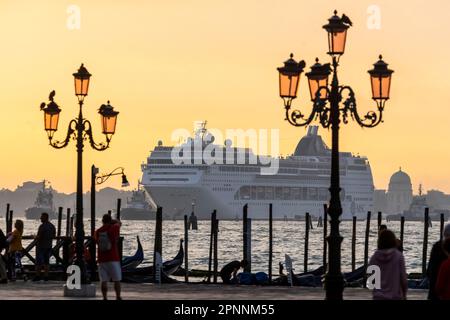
[{"x": 400, "y": 194}]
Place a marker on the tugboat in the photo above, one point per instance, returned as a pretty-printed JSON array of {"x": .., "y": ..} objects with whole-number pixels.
[
  {"x": 137, "y": 208},
  {"x": 43, "y": 203}
]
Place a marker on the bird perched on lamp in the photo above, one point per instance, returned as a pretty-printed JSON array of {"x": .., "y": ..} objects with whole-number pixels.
[{"x": 346, "y": 20}]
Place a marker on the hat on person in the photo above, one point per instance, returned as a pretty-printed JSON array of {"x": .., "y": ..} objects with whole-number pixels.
[{"x": 447, "y": 231}]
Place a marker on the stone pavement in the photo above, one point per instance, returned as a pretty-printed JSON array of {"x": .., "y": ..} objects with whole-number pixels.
[{"x": 53, "y": 290}]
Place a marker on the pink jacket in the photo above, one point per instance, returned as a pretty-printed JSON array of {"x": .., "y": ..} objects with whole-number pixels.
[{"x": 394, "y": 282}]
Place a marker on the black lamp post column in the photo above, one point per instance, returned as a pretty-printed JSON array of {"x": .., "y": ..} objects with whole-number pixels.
[
  {"x": 79, "y": 227},
  {"x": 334, "y": 281}
]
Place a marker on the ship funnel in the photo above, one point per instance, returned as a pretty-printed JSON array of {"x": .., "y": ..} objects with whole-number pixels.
[{"x": 312, "y": 130}]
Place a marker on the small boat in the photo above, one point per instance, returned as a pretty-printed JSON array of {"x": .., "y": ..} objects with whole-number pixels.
[
  {"x": 134, "y": 260},
  {"x": 43, "y": 203},
  {"x": 137, "y": 208},
  {"x": 171, "y": 266}
]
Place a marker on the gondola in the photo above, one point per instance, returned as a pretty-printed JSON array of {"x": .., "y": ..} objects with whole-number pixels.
[
  {"x": 171, "y": 266},
  {"x": 145, "y": 274},
  {"x": 133, "y": 261}
]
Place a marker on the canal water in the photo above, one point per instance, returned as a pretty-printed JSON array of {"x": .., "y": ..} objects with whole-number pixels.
[{"x": 288, "y": 238}]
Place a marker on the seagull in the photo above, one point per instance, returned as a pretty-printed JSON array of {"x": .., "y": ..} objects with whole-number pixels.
[
  {"x": 52, "y": 94},
  {"x": 346, "y": 20},
  {"x": 42, "y": 105},
  {"x": 302, "y": 64},
  {"x": 326, "y": 66}
]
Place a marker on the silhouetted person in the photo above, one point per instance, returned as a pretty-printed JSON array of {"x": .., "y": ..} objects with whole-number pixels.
[
  {"x": 229, "y": 271},
  {"x": 437, "y": 256},
  {"x": 15, "y": 249},
  {"x": 109, "y": 268},
  {"x": 394, "y": 282},
  {"x": 44, "y": 239}
]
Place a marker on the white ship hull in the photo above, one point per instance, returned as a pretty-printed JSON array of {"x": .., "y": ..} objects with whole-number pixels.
[{"x": 176, "y": 201}]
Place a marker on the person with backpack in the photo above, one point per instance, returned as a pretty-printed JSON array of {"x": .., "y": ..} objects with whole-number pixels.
[{"x": 109, "y": 268}]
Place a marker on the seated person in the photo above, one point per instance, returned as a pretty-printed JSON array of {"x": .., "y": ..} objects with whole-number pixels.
[{"x": 228, "y": 272}]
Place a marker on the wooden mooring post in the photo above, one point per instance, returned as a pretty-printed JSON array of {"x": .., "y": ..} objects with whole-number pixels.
[
  {"x": 58, "y": 230},
  {"x": 245, "y": 238},
  {"x": 366, "y": 239},
  {"x": 215, "y": 247},
  {"x": 402, "y": 229},
  {"x": 366, "y": 245},
  {"x": 270, "y": 241},
  {"x": 119, "y": 204},
  {"x": 425, "y": 242},
  {"x": 307, "y": 226},
  {"x": 158, "y": 241},
  {"x": 325, "y": 228},
  {"x": 186, "y": 249},
  {"x": 441, "y": 227},
  {"x": 354, "y": 243},
  {"x": 7, "y": 217},
  {"x": 211, "y": 244},
  {"x": 9, "y": 227},
  {"x": 68, "y": 223},
  {"x": 379, "y": 219}
]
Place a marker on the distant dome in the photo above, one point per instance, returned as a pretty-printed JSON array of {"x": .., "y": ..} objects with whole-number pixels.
[
  {"x": 400, "y": 180},
  {"x": 400, "y": 177}
]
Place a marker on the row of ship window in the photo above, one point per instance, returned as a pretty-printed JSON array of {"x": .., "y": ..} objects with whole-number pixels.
[{"x": 284, "y": 193}]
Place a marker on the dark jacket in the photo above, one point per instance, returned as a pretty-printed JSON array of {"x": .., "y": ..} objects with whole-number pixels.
[{"x": 437, "y": 256}]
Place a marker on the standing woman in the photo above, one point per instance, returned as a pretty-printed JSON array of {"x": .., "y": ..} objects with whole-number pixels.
[
  {"x": 394, "y": 282},
  {"x": 15, "y": 248}
]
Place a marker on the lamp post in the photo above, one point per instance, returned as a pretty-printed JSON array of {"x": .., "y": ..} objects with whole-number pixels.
[
  {"x": 330, "y": 102},
  {"x": 80, "y": 129}
]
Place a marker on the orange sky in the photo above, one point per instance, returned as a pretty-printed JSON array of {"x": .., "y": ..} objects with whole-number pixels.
[{"x": 164, "y": 64}]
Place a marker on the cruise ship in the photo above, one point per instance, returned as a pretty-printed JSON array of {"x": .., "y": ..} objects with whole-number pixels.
[{"x": 299, "y": 185}]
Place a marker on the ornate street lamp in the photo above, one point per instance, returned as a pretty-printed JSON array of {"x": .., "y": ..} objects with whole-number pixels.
[
  {"x": 80, "y": 129},
  {"x": 330, "y": 102}
]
